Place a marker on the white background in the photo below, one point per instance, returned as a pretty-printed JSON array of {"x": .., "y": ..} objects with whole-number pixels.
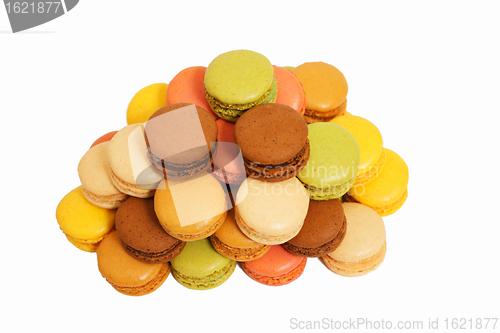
[{"x": 427, "y": 74}]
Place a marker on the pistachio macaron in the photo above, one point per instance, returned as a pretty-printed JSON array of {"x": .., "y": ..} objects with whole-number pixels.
[
  {"x": 364, "y": 246},
  {"x": 325, "y": 88},
  {"x": 84, "y": 224},
  {"x": 333, "y": 161},
  {"x": 125, "y": 273},
  {"x": 237, "y": 80},
  {"x": 200, "y": 267}
]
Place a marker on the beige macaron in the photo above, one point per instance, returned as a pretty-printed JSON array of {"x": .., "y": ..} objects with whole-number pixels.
[
  {"x": 271, "y": 212},
  {"x": 129, "y": 167},
  {"x": 97, "y": 186},
  {"x": 364, "y": 246}
]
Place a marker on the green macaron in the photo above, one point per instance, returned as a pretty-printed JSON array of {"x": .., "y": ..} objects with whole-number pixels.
[
  {"x": 200, "y": 267},
  {"x": 333, "y": 161},
  {"x": 237, "y": 80}
]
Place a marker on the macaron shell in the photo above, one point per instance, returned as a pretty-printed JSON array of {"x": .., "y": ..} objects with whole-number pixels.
[
  {"x": 271, "y": 134},
  {"x": 324, "y": 85},
  {"x": 121, "y": 145},
  {"x": 239, "y": 77},
  {"x": 334, "y": 156},
  {"x": 145, "y": 102},
  {"x": 368, "y": 138},
  {"x": 290, "y": 90},
  {"x": 365, "y": 234},
  {"x": 121, "y": 269},
  {"x": 205, "y": 193},
  {"x": 140, "y": 231},
  {"x": 80, "y": 219},
  {"x": 276, "y": 211},
  {"x": 323, "y": 222},
  {"x": 388, "y": 187},
  {"x": 93, "y": 171},
  {"x": 188, "y": 87},
  {"x": 199, "y": 259}
]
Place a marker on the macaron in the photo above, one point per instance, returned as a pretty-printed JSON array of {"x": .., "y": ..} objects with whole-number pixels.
[
  {"x": 188, "y": 87},
  {"x": 388, "y": 191},
  {"x": 237, "y": 80},
  {"x": 333, "y": 161},
  {"x": 290, "y": 90},
  {"x": 181, "y": 139},
  {"x": 125, "y": 273},
  {"x": 145, "y": 102},
  {"x": 277, "y": 267},
  {"x": 323, "y": 230},
  {"x": 271, "y": 213},
  {"x": 141, "y": 232},
  {"x": 325, "y": 88},
  {"x": 273, "y": 141},
  {"x": 193, "y": 209},
  {"x": 369, "y": 140},
  {"x": 229, "y": 167},
  {"x": 129, "y": 167},
  {"x": 232, "y": 243},
  {"x": 200, "y": 267},
  {"x": 97, "y": 186},
  {"x": 106, "y": 137},
  {"x": 84, "y": 224},
  {"x": 364, "y": 246}
]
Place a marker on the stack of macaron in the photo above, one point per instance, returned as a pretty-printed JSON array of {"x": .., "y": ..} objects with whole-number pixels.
[{"x": 240, "y": 163}]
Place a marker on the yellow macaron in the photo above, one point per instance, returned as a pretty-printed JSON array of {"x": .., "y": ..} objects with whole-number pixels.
[
  {"x": 388, "y": 191},
  {"x": 145, "y": 102},
  {"x": 83, "y": 223},
  {"x": 369, "y": 140}
]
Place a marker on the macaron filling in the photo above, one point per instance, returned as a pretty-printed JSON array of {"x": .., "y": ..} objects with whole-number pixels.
[
  {"x": 142, "y": 191},
  {"x": 154, "y": 257},
  {"x": 281, "y": 171},
  {"x": 238, "y": 254},
  {"x": 182, "y": 170},
  {"x": 232, "y": 112},
  {"x": 105, "y": 201},
  {"x": 312, "y": 116},
  {"x": 328, "y": 192},
  {"x": 383, "y": 210},
  {"x": 205, "y": 282},
  {"x": 196, "y": 236}
]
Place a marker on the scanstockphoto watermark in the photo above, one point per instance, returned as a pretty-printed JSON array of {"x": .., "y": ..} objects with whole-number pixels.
[
  {"x": 355, "y": 324},
  {"x": 480, "y": 323}
]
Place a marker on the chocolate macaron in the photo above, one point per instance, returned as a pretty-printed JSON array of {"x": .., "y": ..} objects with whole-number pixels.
[
  {"x": 323, "y": 230},
  {"x": 273, "y": 141},
  {"x": 181, "y": 139},
  {"x": 142, "y": 234}
]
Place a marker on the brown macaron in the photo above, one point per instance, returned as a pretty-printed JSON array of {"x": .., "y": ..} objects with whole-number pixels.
[
  {"x": 273, "y": 141},
  {"x": 181, "y": 139},
  {"x": 141, "y": 233},
  {"x": 323, "y": 230}
]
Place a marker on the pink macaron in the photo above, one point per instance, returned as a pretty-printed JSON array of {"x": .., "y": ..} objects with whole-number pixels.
[
  {"x": 228, "y": 162},
  {"x": 275, "y": 268},
  {"x": 188, "y": 87},
  {"x": 290, "y": 91}
]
